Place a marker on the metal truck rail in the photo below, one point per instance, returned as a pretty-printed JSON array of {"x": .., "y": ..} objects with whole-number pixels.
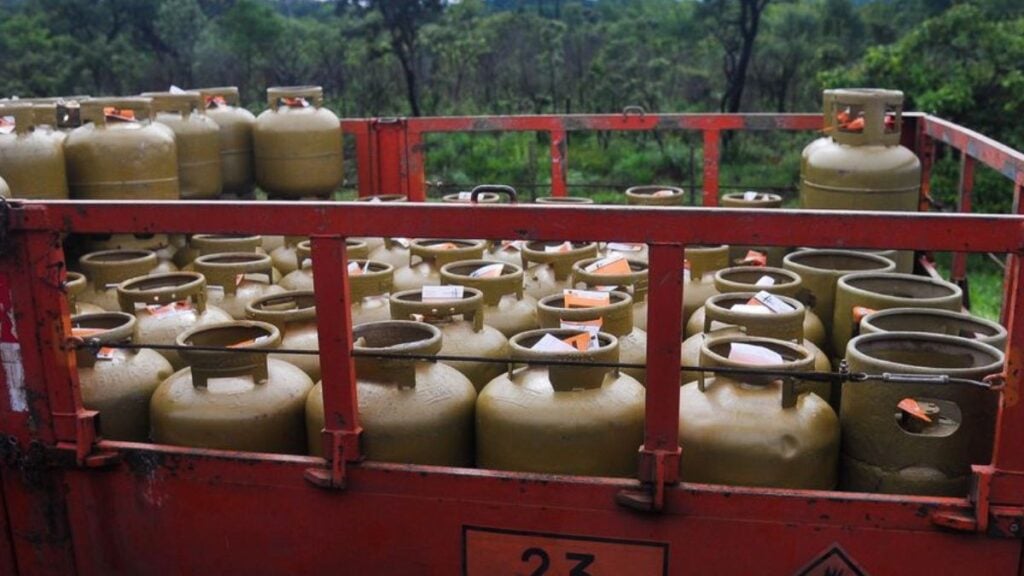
[{"x": 74, "y": 503}]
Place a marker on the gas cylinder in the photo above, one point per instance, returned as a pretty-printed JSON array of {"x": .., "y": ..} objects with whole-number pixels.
[
  {"x": 394, "y": 252},
  {"x": 302, "y": 277},
  {"x": 166, "y": 305},
  {"x": 119, "y": 153},
  {"x": 297, "y": 144},
  {"x": 237, "y": 400},
  {"x": 31, "y": 161},
  {"x": 920, "y": 437},
  {"x": 234, "y": 279},
  {"x": 45, "y": 121},
  {"x": 756, "y": 279},
  {"x": 105, "y": 270},
  {"x": 198, "y": 139},
  {"x": 730, "y": 314},
  {"x": 204, "y": 244},
  {"x": 507, "y": 251},
  {"x": 578, "y": 420},
  {"x": 426, "y": 257},
  {"x": 374, "y": 243},
  {"x": 564, "y": 200},
  {"x": 5, "y": 190},
  {"x": 864, "y": 292},
  {"x": 749, "y": 429},
  {"x": 117, "y": 382},
  {"x": 370, "y": 291},
  {"x": 506, "y": 306},
  {"x": 820, "y": 270},
  {"x": 630, "y": 250},
  {"x": 655, "y": 196},
  {"x": 699, "y": 275},
  {"x": 235, "y": 137},
  {"x": 548, "y": 265},
  {"x": 863, "y": 166},
  {"x": 160, "y": 244},
  {"x": 935, "y": 321},
  {"x": 633, "y": 283},
  {"x": 286, "y": 257},
  {"x": 468, "y": 336},
  {"x": 754, "y": 200},
  {"x": 411, "y": 411},
  {"x": 615, "y": 318},
  {"x": 294, "y": 315},
  {"x": 75, "y": 284}
]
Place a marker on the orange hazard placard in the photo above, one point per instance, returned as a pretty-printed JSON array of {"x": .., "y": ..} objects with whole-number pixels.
[{"x": 495, "y": 552}]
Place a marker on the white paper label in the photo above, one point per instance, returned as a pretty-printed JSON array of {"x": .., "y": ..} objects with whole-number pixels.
[
  {"x": 750, "y": 309},
  {"x": 449, "y": 292},
  {"x": 593, "y": 330},
  {"x": 175, "y": 90},
  {"x": 753, "y": 354},
  {"x": 750, "y": 195},
  {"x": 772, "y": 302},
  {"x": 625, "y": 247},
  {"x": 551, "y": 344},
  {"x": 585, "y": 298},
  {"x": 603, "y": 262},
  {"x": 563, "y": 247},
  {"x": 375, "y": 200},
  {"x": 14, "y": 374},
  {"x": 489, "y": 271},
  {"x": 465, "y": 196},
  {"x": 765, "y": 281}
]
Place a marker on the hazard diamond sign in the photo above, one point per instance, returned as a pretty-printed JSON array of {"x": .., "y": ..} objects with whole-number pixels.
[{"x": 834, "y": 561}]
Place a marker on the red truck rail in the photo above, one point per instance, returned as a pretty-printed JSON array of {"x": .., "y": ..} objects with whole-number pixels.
[{"x": 77, "y": 504}]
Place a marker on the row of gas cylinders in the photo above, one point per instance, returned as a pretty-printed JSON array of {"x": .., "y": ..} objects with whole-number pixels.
[
  {"x": 188, "y": 145},
  {"x": 479, "y": 305}
]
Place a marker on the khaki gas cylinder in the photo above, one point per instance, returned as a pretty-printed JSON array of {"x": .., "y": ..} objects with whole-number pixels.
[
  {"x": 204, "y": 244},
  {"x": 576, "y": 420},
  {"x": 370, "y": 292},
  {"x": 106, "y": 269},
  {"x": 426, "y": 257},
  {"x": 117, "y": 382},
  {"x": 633, "y": 283},
  {"x": 548, "y": 265},
  {"x": 166, "y": 305},
  {"x": 935, "y": 321},
  {"x": 655, "y": 196},
  {"x": 762, "y": 278},
  {"x": 74, "y": 285},
  {"x": 5, "y": 190},
  {"x": 294, "y": 315},
  {"x": 235, "y": 138},
  {"x": 411, "y": 411},
  {"x": 302, "y": 277},
  {"x": 752, "y": 199},
  {"x": 461, "y": 321},
  {"x": 506, "y": 306},
  {"x": 121, "y": 154},
  {"x": 234, "y": 279},
  {"x": 161, "y": 244},
  {"x": 820, "y": 270},
  {"x": 700, "y": 266},
  {"x": 730, "y": 314},
  {"x": 297, "y": 144},
  {"x": 864, "y": 292},
  {"x": 629, "y": 250},
  {"x": 394, "y": 252},
  {"x": 863, "y": 166},
  {"x": 200, "y": 174},
  {"x": 32, "y": 162},
  {"x": 917, "y": 437},
  {"x": 748, "y": 429},
  {"x": 238, "y": 400},
  {"x": 564, "y": 200},
  {"x": 615, "y": 318},
  {"x": 286, "y": 256}
]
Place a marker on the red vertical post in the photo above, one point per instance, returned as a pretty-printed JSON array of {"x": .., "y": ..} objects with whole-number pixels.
[
  {"x": 1010, "y": 426},
  {"x": 366, "y": 178},
  {"x": 712, "y": 154},
  {"x": 966, "y": 187},
  {"x": 660, "y": 452},
  {"x": 37, "y": 396},
  {"x": 334, "y": 312},
  {"x": 392, "y": 156},
  {"x": 559, "y": 160},
  {"x": 416, "y": 187}
]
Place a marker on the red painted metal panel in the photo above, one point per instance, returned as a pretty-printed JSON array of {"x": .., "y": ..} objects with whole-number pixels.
[{"x": 7, "y": 561}]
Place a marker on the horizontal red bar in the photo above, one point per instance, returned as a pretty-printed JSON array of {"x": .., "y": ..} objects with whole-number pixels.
[
  {"x": 821, "y": 228},
  {"x": 990, "y": 152}
]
